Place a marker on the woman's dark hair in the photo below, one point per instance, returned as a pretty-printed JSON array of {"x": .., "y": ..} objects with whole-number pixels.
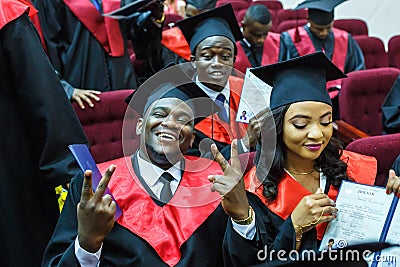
[{"x": 328, "y": 162}]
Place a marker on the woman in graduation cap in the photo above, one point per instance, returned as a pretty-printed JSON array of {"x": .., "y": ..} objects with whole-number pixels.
[{"x": 294, "y": 198}]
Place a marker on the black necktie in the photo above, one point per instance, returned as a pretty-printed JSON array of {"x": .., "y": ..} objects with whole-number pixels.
[
  {"x": 166, "y": 193},
  {"x": 220, "y": 101}
]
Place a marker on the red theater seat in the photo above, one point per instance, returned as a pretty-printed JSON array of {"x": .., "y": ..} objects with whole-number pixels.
[
  {"x": 394, "y": 51},
  {"x": 385, "y": 148},
  {"x": 270, "y": 4},
  {"x": 362, "y": 95},
  {"x": 373, "y": 50},
  {"x": 103, "y": 126},
  {"x": 289, "y": 24},
  {"x": 353, "y": 26}
]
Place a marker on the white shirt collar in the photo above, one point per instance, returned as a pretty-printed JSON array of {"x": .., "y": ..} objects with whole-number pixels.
[
  {"x": 246, "y": 42},
  {"x": 151, "y": 173},
  {"x": 213, "y": 94}
]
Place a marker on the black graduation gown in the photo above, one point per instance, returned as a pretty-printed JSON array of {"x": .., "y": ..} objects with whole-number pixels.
[
  {"x": 273, "y": 233},
  {"x": 38, "y": 124},
  {"x": 391, "y": 109},
  {"x": 354, "y": 58},
  {"x": 124, "y": 248},
  {"x": 78, "y": 56}
]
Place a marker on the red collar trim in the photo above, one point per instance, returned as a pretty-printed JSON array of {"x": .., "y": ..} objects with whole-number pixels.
[
  {"x": 105, "y": 30},
  {"x": 361, "y": 168},
  {"x": 174, "y": 40},
  {"x": 11, "y": 10},
  {"x": 271, "y": 49},
  {"x": 219, "y": 130},
  {"x": 165, "y": 228}
]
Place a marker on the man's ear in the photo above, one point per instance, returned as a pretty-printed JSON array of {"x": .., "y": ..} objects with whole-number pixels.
[{"x": 139, "y": 126}]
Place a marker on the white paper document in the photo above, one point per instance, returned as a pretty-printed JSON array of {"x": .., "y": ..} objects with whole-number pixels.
[
  {"x": 254, "y": 98},
  {"x": 365, "y": 214}
]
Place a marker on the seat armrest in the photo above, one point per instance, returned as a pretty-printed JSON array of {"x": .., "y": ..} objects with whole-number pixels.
[{"x": 346, "y": 132}]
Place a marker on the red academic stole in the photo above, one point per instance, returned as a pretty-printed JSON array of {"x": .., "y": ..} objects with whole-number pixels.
[
  {"x": 219, "y": 130},
  {"x": 270, "y": 53},
  {"x": 361, "y": 168},
  {"x": 165, "y": 228},
  {"x": 106, "y": 30},
  {"x": 11, "y": 10},
  {"x": 339, "y": 51},
  {"x": 271, "y": 49},
  {"x": 174, "y": 40}
]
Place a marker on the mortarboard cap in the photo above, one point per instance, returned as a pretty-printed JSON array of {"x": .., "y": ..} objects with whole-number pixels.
[
  {"x": 219, "y": 21},
  {"x": 299, "y": 79},
  {"x": 321, "y": 12},
  {"x": 172, "y": 82},
  {"x": 202, "y": 4}
]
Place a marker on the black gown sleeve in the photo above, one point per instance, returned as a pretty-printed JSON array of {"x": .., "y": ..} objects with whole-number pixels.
[
  {"x": 354, "y": 58},
  {"x": 60, "y": 250}
]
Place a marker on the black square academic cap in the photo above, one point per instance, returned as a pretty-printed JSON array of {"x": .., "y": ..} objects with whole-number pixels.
[
  {"x": 219, "y": 21},
  {"x": 172, "y": 82},
  {"x": 320, "y": 11},
  {"x": 127, "y": 11},
  {"x": 202, "y": 4},
  {"x": 299, "y": 79}
]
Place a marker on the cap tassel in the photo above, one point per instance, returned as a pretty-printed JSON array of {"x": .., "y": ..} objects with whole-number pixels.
[{"x": 297, "y": 37}]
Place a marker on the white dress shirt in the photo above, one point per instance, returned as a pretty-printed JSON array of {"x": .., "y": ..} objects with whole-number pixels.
[{"x": 150, "y": 174}]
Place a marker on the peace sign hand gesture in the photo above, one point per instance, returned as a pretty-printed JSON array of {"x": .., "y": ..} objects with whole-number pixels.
[
  {"x": 96, "y": 212},
  {"x": 231, "y": 184}
]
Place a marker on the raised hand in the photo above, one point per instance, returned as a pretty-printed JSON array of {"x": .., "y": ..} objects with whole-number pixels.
[
  {"x": 95, "y": 212},
  {"x": 254, "y": 128},
  {"x": 230, "y": 185},
  {"x": 393, "y": 184}
]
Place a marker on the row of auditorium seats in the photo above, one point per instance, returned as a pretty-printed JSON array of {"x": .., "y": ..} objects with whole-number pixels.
[{"x": 104, "y": 126}]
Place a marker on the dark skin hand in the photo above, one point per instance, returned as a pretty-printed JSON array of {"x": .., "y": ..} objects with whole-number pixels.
[
  {"x": 393, "y": 184},
  {"x": 254, "y": 128},
  {"x": 81, "y": 96},
  {"x": 156, "y": 8},
  {"x": 231, "y": 184},
  {"x": 96, "y": 212}
]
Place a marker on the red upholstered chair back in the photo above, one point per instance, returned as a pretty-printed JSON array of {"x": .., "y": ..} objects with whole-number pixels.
[
  {"x": 236, "y": 4},
  {"x": 170, "y": 20},
  {"x": 289, "y": 24},
  {"x": 373, "y": 50},
  {"x": 352, "y": 26},
  {"x": 270, "y": 4},
  {"x": 362, "y": 95},
  {"x": 103, "y": 126},
  {"x": 385, "y": 148},
  {"x": 394, "y": 51},
  {"x": 288, "y": 14}
]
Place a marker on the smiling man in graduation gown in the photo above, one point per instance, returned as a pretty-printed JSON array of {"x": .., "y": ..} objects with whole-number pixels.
[
  {"x": 38, "y": 125},
  {"x": 178, "y": 222},
  {"x": 212, "y": 37}
]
